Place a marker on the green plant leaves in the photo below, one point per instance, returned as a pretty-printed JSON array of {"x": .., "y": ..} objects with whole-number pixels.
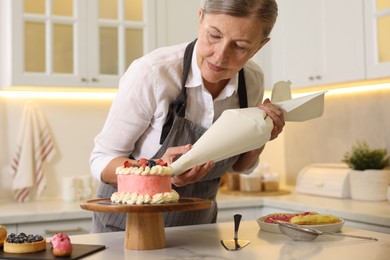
[{"x": 361, "y": 157}]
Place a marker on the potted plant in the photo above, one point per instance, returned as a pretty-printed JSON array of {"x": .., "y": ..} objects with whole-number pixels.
[{"x": 370, "y": 176}]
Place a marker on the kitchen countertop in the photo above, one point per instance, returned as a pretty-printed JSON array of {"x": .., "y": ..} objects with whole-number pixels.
[
  {"x": 376, "y": 213},
  {"x": 40, "y": 211},
  {"x": 203, "y": 242}
]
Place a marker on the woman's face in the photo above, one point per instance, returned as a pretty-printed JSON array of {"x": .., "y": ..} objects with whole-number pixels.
[{"x": 226, "y": 43}]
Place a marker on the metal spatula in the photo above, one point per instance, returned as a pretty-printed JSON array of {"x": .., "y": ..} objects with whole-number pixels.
[{"x": 235, "y": 244}]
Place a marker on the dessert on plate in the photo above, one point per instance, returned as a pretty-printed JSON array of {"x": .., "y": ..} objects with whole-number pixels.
[{"x": 61, "y": 244}]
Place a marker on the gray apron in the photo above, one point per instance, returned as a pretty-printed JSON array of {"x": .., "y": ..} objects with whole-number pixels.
[{"x": 178, "y": 131}]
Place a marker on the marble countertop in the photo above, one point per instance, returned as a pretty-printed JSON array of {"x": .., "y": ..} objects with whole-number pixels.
[
  {"x": 203, "y": 242},
  {"x": 377, "y": 213},
  {"x": 41, "y": 211}
]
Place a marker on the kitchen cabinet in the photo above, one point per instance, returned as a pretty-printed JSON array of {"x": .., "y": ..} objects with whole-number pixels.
[
  {"x": 11, "y": 228},
  {"x": 318, "y": 42},
  {"x": 50, "y": 228},
  {"x": 177, "y": 21},
  {"x": 87, "y": 43},
  {"x": 377, "y": 26},
  {"x": 248, "y": 213}
]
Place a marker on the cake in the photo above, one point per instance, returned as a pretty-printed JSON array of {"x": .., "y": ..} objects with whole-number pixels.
[
  {"x": 144, "y": 182},
  {"x": 22, "y": 243},
  {"x": 61, "y": 244}
]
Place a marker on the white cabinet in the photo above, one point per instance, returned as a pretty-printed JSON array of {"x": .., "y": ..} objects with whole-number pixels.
[
  {"x": 50, "y": 228},
  {"x": 73, "y": 43},
  {"x": 318, "y": 42},
  {"x": 177, "y": 21},
  {"x": 248, "y": 213},
  {"x": 377, "y": 26},
  {"x": 11, "y": 228}
]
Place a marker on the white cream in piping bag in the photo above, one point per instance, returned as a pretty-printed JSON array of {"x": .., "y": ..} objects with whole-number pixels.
[{"x": 238, "y": 131}]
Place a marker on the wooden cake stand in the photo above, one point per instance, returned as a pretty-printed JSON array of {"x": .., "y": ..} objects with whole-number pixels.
[{"x": 145, "y": 223}]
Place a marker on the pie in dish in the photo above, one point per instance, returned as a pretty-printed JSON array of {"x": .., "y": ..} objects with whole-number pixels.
[{"x": 322, "y": 222}]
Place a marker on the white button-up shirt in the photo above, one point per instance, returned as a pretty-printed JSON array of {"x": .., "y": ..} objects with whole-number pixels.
[{"x": 147, "y": 88}]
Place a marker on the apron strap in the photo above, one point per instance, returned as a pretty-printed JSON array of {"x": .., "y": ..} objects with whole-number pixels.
[
  {"x": 242, "y": 96},
  {"x": 179, "y": 105}
]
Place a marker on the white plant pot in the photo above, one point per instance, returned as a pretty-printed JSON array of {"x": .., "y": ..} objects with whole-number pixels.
[{"x": 369, "y": 185}]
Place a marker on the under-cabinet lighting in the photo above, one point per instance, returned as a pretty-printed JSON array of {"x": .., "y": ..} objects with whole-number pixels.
[
  {"x": 109, "y": 93},
  {"x": 59, "y": 93}
]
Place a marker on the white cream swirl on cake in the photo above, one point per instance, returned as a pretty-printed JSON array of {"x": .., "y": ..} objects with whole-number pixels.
[{"x": 145, "y": 182}]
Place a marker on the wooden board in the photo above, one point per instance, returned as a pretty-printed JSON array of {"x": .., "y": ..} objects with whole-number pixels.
[
  {"x": 78, "y": 252},
  {"x": 184, "y": 204},
  {"x": 225, "y": 190}
]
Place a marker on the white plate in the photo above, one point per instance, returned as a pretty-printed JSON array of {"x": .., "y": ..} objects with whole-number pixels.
[{"x": 274, "y": 228}]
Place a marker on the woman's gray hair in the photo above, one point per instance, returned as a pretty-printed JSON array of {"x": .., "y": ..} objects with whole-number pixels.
[{"x": 265, "y": 10}]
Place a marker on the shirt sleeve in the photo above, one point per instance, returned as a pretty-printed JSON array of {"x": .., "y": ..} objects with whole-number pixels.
[{"x": 130, "y": 115}]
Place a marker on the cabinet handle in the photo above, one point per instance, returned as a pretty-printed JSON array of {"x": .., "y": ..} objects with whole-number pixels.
[
  {"x": 311, "y": 78},
  {"x": 84, "y": 80},
  {"x": 318, "y": 77},
  {"x": 70, "y": 230},
  {"x": 95, "y": 80}
]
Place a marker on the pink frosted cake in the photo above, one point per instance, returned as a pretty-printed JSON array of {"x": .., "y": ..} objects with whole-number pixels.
[{"x": 146, "y": 182}]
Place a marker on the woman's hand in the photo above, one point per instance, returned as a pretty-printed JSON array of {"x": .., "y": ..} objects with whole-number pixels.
[
  {"x": 277, "y": 116},
  {"x": 190, "y": 176}
]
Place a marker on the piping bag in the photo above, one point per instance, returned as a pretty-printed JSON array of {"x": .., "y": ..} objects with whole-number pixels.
[{"x": 238, "y": 131}]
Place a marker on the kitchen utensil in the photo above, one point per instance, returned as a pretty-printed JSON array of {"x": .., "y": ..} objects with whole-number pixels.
[
  {"x": 301, "y": 233},
  {"x": 235, "y": 244}
]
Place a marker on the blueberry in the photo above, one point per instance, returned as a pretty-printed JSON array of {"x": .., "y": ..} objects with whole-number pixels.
[
  {"x": 151, "y": 163},
  {"x": 38, "y": 238}
]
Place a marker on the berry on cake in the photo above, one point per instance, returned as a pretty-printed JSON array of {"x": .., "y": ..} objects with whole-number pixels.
[{"x": 144, "y": 182}]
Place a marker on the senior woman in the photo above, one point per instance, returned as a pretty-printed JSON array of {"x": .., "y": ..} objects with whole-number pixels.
[{"x": 168, "y": 98}]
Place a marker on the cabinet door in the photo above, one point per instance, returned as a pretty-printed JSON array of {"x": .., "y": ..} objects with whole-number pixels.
[
  {"x": 50, "y": 228},
  {"x": 316, "y": 42},
  {"x": 75, "y": 43},
  {"x": 377, "y": 15},
  {"x": 120, "y": 31},
  {"x": 44, "y": 42},
  {"x": 177, "y": 21}
]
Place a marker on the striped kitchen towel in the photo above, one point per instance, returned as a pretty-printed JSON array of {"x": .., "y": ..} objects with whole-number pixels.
[{"x": 35, "y": 147}]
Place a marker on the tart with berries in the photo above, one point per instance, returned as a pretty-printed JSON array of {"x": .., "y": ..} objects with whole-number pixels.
[{"x": 23, "y": 243}]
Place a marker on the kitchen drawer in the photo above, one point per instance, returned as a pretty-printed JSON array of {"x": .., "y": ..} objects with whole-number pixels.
[
  {"x": 48, "y": 229},
  {"x": 11, "y": 228}
]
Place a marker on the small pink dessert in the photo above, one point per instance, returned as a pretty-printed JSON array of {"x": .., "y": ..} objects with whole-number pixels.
[
  {"x": 144, "y": 182},
  {"x": 61, "y": 244}
]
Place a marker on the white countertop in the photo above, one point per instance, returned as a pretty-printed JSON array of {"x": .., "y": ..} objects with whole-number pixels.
[
  {"x": 40, "y": 211},
  {"x": 203, "y": 242},
  {"x": 377, "y": 213}
]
